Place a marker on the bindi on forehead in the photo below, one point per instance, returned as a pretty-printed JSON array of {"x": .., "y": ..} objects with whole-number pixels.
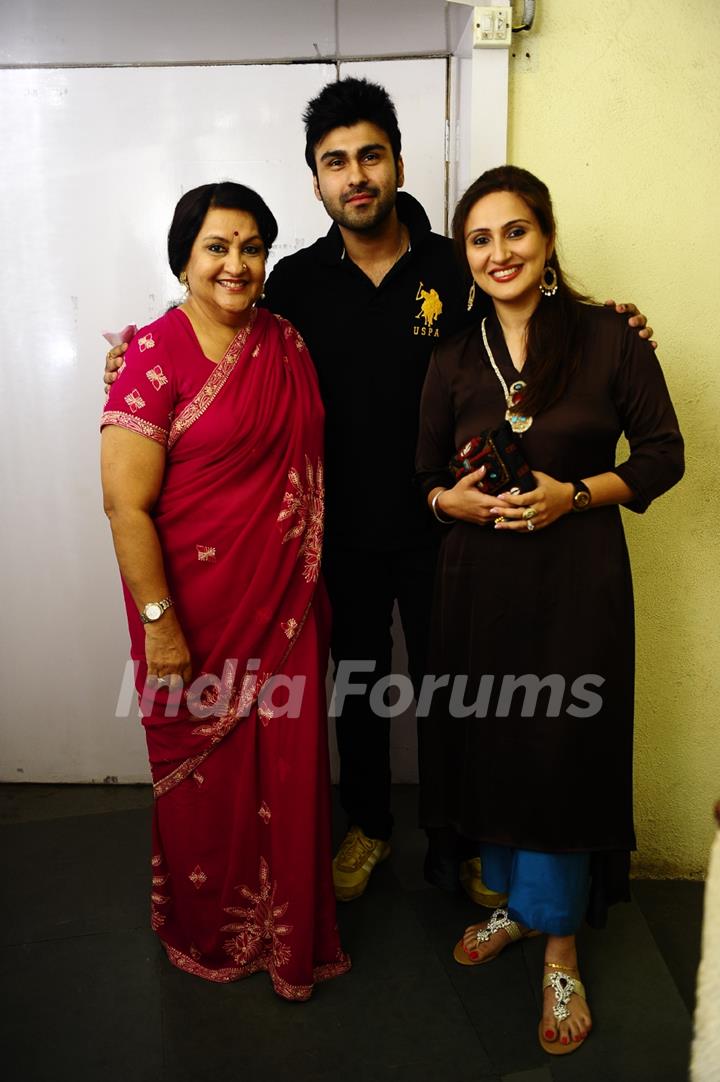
[{"x": 236, "y": 234}]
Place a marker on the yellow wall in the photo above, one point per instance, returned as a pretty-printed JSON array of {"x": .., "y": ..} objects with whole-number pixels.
[{"x": 617, "y": 109}]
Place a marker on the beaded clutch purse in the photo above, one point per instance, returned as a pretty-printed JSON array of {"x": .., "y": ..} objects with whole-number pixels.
[{"x": 505, "y": 464}]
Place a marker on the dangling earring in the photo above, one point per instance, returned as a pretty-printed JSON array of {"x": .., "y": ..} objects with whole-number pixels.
[
  {"x": 471, "y": 297},
  {"x": 548, "y": 282},
  {"x": 182, "y": 278}
]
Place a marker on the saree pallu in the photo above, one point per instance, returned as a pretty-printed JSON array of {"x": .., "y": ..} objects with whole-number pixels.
[{"x": 241, "y": 858}]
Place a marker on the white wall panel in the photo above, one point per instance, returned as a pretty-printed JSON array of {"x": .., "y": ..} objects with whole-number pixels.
[
  {"x": 135, "y": 31},
  {"x": 403, "y": 28},
  {"x": 105, "y": 32}
]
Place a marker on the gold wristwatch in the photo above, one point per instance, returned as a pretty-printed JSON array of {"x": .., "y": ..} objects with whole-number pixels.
[{"x": 154, "y": 610}]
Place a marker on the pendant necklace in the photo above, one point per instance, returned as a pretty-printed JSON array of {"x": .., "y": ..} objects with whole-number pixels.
[{"x": 513, "y": 394}]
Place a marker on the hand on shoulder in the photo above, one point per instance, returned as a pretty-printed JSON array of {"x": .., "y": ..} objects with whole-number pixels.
[{"x": 636, "y": 320}]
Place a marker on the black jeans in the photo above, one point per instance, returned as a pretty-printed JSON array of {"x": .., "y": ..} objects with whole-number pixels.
[{"x": 363, "y": 587}]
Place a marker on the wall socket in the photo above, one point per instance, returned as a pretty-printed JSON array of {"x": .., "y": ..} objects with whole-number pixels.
[{"x": 492, "y": 28}]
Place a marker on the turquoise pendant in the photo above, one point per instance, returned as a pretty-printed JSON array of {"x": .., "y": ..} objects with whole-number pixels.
[{"x": 518, "y": 421}]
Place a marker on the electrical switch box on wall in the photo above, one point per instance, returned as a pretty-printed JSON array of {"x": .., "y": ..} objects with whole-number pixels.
[{"x": 492, "y": 28}]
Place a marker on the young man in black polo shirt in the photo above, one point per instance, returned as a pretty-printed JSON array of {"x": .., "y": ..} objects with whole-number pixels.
[{"x": 371, "y": 299}]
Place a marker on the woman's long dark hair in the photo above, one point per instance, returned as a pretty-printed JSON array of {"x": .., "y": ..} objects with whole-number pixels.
[{"x": 553, "y": 328}]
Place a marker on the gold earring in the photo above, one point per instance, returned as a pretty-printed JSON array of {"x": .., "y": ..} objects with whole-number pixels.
[
  {"x": 182, "y": 278},
  {"x": 548, "y": 282},
  {"x": 471, "y": 297}
]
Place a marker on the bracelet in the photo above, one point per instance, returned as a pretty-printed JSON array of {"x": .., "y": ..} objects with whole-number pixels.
[{"x": 435, "y": 510}]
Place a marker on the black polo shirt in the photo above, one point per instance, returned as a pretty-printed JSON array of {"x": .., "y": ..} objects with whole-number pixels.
[{"x": 371, "y": 346}]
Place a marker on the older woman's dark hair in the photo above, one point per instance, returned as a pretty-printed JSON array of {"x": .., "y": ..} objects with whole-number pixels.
[
  {"x": 191, "y": 210},
  {"x": 348, "y": 102},
  {"x": 554, "y": 327}
]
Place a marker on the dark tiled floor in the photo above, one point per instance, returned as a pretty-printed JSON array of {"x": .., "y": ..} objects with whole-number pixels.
[{"x": 88, "y": 995}]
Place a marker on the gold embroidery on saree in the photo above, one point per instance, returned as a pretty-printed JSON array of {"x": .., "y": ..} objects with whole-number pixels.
[
  {"x": 157, "y": 918},
  {"x": 259, "y": 928},
  {"x": 157, "y": 377},
  {"x": 197, "y": 877},
  {"x": 291, "y": 332},
  {"x": 295, "y": 992},
  {"x": 135, "y": 400},
  {"x": 135, "y": 424},
  {"x": 308, "y": 504}
]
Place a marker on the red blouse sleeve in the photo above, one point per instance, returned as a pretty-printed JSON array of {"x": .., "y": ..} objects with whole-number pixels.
[{"x": 142, "y": 397}]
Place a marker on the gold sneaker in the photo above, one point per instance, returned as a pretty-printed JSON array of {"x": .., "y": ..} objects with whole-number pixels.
[
  {"x": 471, "y": 879},
  {"x": 355, "y": 860}
]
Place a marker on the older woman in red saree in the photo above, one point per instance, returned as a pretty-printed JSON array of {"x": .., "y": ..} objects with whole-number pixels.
[{"x": 213, "y": 481}]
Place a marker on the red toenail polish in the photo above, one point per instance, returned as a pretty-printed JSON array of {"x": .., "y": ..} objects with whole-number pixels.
[
  {"x": 564, "y": 1040},
  {"x": 549, "y": 1033},
  {"x": 474, "y": 955}
]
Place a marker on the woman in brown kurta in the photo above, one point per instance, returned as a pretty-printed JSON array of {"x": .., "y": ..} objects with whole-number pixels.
[{"x": 531, "y": 754}]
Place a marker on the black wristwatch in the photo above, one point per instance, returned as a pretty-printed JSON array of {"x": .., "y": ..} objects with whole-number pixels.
[{"x": 582, "y": 498}]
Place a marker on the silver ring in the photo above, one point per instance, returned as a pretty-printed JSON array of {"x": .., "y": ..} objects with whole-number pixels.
[
  {"x": 530, "y": 526},
  {"x": 529, "y": 512}
]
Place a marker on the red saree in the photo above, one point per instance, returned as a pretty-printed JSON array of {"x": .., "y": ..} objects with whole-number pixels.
[{"x": 241, "y": 833}]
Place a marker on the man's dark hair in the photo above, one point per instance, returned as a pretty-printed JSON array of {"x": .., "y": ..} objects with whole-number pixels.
[
  {"x": 348, "y": 102},
  {"x": 191, "y": 210}
]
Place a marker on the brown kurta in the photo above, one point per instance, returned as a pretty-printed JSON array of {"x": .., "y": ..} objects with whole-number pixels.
[{"x": 557, "y": 602}]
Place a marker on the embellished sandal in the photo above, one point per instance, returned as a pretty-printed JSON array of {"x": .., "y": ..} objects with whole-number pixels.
[
  {"x": 499, "y": 922},
  {"x": 564, "y": 985}
]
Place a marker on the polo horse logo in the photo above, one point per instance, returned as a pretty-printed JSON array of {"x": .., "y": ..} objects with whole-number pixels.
[{"x": 431, "y": 306}]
